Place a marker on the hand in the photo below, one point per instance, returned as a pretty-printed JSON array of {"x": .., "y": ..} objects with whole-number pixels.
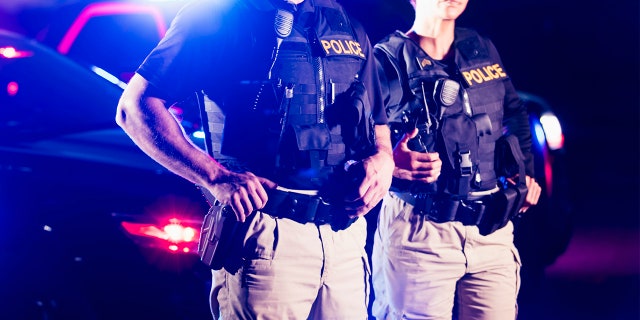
[
  {"x": 243, "y": 192},
  {"x": 415, "y": 166},
  {"x": 378, "y": 171},
  {"x": 533, "y": 194}
]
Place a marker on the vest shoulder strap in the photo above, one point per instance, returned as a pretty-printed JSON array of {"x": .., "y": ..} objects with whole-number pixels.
[
  {"x": 470, "y": 44},
  {"x": 387, "y": 52}
]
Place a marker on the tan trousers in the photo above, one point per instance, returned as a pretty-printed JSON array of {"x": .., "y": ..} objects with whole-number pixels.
[
  {"x": 420, "y": 268},
  {"x": 289, "y": 270}
]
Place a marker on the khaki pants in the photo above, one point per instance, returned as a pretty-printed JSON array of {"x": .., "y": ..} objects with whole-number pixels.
[
  {"x": 289, "y": 270},
  {"x": 420, "y": 268}
]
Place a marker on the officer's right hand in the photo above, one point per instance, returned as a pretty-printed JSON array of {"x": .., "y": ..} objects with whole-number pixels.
[
  {"x": 243, "y": 192},
  {"x": 413, "y": 165}
]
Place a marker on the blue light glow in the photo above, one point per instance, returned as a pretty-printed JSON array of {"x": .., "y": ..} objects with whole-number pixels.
[
  {"x": 108, "y": 76},
  {"x": 552, "y": 130},
  {"x": 198, "y": 134}
]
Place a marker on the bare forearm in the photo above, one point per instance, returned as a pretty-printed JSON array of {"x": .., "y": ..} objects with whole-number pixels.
[
  {"x": 157, "y": 133},
  {"x": 383, "y": 139},
  {"x": 378, "y": 169}
]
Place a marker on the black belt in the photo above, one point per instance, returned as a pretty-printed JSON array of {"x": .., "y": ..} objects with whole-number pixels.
[
  {"x": 488, "y": 212},
  {"x": 469, "y": 212},
  {"x": 298, "y": 207}
]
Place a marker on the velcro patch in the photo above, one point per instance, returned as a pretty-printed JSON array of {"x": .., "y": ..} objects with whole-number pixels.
[
  {"x": 484, "y": 74},
  {"x": 341, "y": 47}
]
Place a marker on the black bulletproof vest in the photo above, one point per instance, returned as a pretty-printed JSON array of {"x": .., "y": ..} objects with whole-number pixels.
[
  {"x": 309, "y": 116},
  {"x": 466, "y": 130}
]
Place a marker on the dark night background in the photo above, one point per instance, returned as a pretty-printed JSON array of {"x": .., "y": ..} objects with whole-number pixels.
[{"x": 583, "y": 58}]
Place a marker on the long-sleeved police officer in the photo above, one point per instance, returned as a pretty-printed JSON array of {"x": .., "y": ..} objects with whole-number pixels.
[
  {"x": 298, "y": 149},
  {"x": 444, "y": 230}
]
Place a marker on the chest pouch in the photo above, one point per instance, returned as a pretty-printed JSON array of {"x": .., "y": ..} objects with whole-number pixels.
[
  {"x": 305, "y": 146},
  {"x": 460, "y": 141}
]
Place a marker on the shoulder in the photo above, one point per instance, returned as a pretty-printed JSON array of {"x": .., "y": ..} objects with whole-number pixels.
[
  {"x": 392, "y": 44},
  {"x": 359, "y": 31},
  {"x": 473, "y": 45},
  {"x": 471, "y": 35},
  {"x": 206, "y": 17}
]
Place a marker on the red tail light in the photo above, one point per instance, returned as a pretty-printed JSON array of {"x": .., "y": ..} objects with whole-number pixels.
[
  {"x": 12, "y": 88},
  {"x": 174, "y": 236},
  {"x": 12, "y": 53}
]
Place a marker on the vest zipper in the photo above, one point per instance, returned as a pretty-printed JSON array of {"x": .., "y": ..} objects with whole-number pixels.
[{"x": 322, "y": 89}]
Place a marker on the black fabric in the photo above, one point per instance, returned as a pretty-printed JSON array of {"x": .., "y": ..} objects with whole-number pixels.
[
  {"x": 488, "y": 213},
  {"x": 304, "y": 209},
  {"x": 213, "y": 48},
  {"x": 409, "y": 76}
]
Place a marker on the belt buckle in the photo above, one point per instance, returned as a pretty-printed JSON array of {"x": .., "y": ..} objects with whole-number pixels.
[{"x": 307, "y": 208}]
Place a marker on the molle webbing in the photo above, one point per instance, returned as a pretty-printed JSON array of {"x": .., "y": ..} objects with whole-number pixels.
[
  {"x": 244, "y": 125},
  {"x": 413, "y": 68}
]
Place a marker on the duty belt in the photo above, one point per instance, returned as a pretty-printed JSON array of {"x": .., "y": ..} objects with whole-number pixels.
[
  {"x": 486, "y": 212},
  {"x": 304, "y": 208}
]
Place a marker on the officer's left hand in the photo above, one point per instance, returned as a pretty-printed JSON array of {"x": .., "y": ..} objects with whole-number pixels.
[
  {"x": 533, "y": 194},
  {"x": 378, "y": 171}
]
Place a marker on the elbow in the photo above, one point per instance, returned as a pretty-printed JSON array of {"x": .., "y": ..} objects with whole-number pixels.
[
  {"x": 121, "y": 114},
  {"x": 129, "y": 105},
  {"x": 126, "y": 113}
]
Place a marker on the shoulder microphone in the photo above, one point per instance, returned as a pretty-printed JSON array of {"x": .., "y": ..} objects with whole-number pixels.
[
  {"x": 282, "y": 25},
  {"x": 445, "y": 93}
]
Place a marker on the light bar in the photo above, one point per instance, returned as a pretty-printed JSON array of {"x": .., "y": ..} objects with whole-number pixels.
[{"x": 108, "y": 8}]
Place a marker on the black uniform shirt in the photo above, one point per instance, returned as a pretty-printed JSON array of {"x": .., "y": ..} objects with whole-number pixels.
[{"x": 212, "y": 46}]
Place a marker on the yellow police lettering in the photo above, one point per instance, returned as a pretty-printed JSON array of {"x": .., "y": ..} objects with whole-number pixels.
[
  {"x": 350, "y": 46},
  {"x": 467, "y": 77},
  {"x": 498, "y": 69},
  {"x": 342, "y": 47},
  {"x": 326, "y": 45},
  {"x": 335, "y": 45},
  {"x": 355, "y": 47},
  {"x": 483, "y": 74},
  {"x": 477, "y": 76},
  {"x": 489, "y": 72}
]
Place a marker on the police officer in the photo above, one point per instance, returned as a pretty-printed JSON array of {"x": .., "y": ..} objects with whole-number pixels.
[
  {"x": 463, "y": 170},
  {"x": 297, "y": 150}
]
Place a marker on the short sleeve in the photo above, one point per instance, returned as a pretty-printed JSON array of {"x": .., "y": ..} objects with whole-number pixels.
[{"x": 181, "y": 62}]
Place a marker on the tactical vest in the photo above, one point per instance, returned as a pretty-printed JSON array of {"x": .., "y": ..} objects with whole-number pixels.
[
  {"x": 467, "y": 130},
  {"x": 297, "y": 118}
]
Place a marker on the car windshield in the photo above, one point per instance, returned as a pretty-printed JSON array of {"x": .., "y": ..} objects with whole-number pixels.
[{"x": 43, "y": 93}]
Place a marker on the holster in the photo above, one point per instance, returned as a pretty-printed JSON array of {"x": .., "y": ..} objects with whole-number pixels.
[
  {"x": 509, "y": 164},
  {"x": 501, "y": 207},
  {"x": 217, "y": 229}
]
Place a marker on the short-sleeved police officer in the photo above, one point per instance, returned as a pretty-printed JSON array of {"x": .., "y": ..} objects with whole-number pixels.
[
  {"x": 444, "y": 231},
  {"x": 297, "y": 148}
]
